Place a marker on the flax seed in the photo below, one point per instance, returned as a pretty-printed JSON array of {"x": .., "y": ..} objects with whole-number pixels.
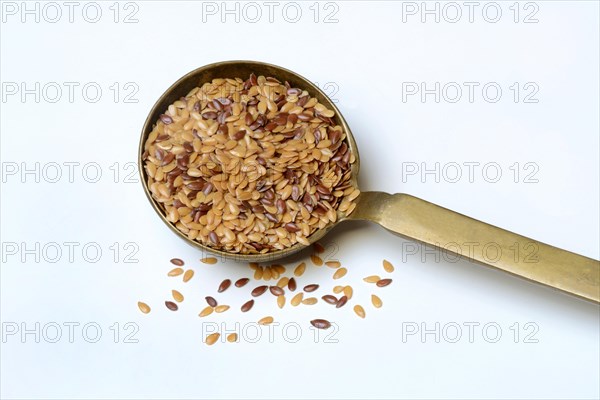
[
  {"x": 189, "y": 274},
  {"x": 212, "y": 338},
  {"x": 265, "y": 321},
  {"x": 175, "y": 272},
  {"x": 387, "y": 266},
  {"x": 297, "y": 299},
  {"x": 359, "y": 311},
  {"x": 145, "y": 308},
  {"x": 209, "y": 260},
  {"x": 339, "y": 273},
  {"x": 376, "y": 301},
  {"x": 177, "y": 296}
]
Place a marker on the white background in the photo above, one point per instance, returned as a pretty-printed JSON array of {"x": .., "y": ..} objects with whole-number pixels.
[{"x": 365, "y": 57}]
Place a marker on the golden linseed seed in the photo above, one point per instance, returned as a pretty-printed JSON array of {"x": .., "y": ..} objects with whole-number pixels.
[
  {"x": 283, "y": 282},
  {"x": 387, "y": 266},
  {"x": 209, "y": 260},
  {"x": 258, "y": 273},
  {"x": 340, "y": 273},
  {"x": 267, "y": 273},
  {"x": 206, "y": 311},
  {"x": 175, "y": 272},
  {"x": 333, "y": 264},
  {"x": 265, "y": 321},
  {"x": 297, "y": 299},
  {"x": 221, "y": 308},
  {"x": 177, "y": 296},
  {"x": 299, "y": 271},
  {"x": 372, "y": 279},
  {"x": 280, "y": 301},
  {"x": 376, "y": 301},
  {"x": 309, "y": 301},
  {"x": 212, "y": 338},
  {"x": 318, "y": 247},
  {"x": 348, "y": 292},
  {"x": 232, "y": 337},
  {"x": 279, "y": 268},
  {"x": 177, "y": 261},
  {"x": 145, "y": 308},
  {"x": 338, "y": 289},
  {"x": 316, "y": 260},
  {"x": 189, "y": 274},
  {"x": 359, "y": 311}
]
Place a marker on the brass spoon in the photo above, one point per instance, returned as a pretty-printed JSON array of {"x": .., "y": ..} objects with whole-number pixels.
[{"x": 401, "y": 214}]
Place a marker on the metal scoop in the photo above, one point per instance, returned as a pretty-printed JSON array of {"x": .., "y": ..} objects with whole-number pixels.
[{"x": 402, "y": 214}]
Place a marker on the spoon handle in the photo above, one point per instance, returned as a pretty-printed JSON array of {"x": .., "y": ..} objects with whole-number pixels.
[{"x": 418, "y": 219}]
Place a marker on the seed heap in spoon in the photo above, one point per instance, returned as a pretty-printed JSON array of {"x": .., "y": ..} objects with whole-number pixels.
[{"x": 250, "y": 166}]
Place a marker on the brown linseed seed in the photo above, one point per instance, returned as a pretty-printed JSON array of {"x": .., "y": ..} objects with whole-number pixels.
[
  {"x": 330, "y": 299},
  {"x": 171, "y": 306},
  {"x": 341, "y": 302},
  {"x": 211, "y": 301},
  {"x": 247, "y": 306},
  {"x": 224, "y": 285},
  {"x": 292, "y": 285},
  {"x": 383, "y": 282},
  {"x": 311, "y": 287},
  {"x": 320, "y": 323},
  {"x": 259, "y": 290},
  {"x": 177, "y": 261},
  {"x": 241, "y": 282},
  {"x": 276, "y": 290}
]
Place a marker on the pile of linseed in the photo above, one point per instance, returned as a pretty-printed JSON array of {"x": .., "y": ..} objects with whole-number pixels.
[
  {"x": 250, "y": 166},
  {"x": 279, "y": 284}
]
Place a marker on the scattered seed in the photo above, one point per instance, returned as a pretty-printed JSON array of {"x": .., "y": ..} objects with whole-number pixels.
[
  {"x": 338, "y": 289},
  {"x": 309, "y": 301},
  {"x": 209, "y": 260},
  {"x": 283, "y": 282},
  {"x": 211, "y": 301},
  {"x": 280, "y": 301},
  {"x": 232, "y": 337},
  {"x": 241, "y": 282},
  {"x": 318, "y": 247},
  {"x": 259, "y": 290},
  {"x": 177, "y": 261},
  {"x": 189, "y": 274},
  {"x": 348, "y": 292},
  {"x": 311, "y": 287},
  {"x": 276, "y": 290},
  {"x": 292, "y": 285},
  {"x": 316, "y": 260},
  {"x": 329, "y": 299},
  {"x": 376, "y": 301},
  {"x": 333, "y": 264},
  {"x": 265, "y": 321},
  {"x": 145, "y": 308},
  {"x": 383, "y": 282},
  {"x": 372, "y": 279},
  {"x": 247, "y": 306},
  {"x": 339, "y": 273},
  {"x": 320, "y": 323},
  {"x": 224, "y": 285},
  {"x": 212, "y": 338},
  {"x": 221, "y": 308},
  {"x": 206, "y": 311},
  {"x": 359, "y": 311},
  {"x": 171, "y": 306},
  {"x": 258, "y": 273},
  {"x": 297, "y": 299},
  {"x": 342, "y": 302},
  {"x": 253, "y": 265},
  {"x": 267, "y": 273},
  {"x": 177, "y": 296},
  {"x": 299, "y": 271},
  {"x": 387, "y": 266},
  {"x": 175, "y": 272}
]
